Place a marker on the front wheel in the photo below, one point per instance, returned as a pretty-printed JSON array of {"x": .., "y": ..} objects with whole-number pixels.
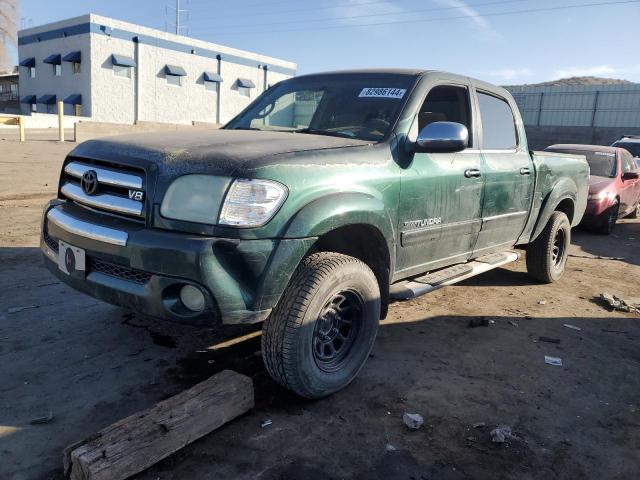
[
  {"x": 636, "y": 211},
  {"x": 320, "y": 334},
  {"x": 547, "y": 255},
  {"x": 610, "y": 217}
]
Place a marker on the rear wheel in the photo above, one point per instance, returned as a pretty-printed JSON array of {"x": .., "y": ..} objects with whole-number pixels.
[
  {"x": 547, "y": 255},
  {"x": 320, "y": 334},
  {"x": 609, "y": 219}
]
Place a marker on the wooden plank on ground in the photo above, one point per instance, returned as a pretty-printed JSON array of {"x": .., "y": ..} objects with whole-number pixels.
[{"x": 135, "y": 443}]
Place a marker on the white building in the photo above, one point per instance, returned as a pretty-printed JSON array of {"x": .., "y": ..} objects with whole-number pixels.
[{"x": 113, "y": 71}]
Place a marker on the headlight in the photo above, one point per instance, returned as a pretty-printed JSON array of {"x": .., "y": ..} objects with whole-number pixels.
[
  {"x": 601, "y": 196},
  {"x": 252, "y": 203},
  {"x": 195, "y": 198}
]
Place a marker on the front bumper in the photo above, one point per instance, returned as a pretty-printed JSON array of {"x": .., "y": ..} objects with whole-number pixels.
[
  {"x": 143, "y": 269},
  {"x": 595, "y": 212}
]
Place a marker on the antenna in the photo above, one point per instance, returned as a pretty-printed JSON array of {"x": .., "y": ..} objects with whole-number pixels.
[{"x": 178, "y": 12}]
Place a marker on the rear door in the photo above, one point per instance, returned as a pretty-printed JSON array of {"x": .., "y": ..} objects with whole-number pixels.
[
  {"x": 508, "y": 175},
  {"x": 441, "y": 193}
]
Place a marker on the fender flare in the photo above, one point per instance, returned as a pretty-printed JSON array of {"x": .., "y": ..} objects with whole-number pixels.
[{"x": 564, "y": 189}]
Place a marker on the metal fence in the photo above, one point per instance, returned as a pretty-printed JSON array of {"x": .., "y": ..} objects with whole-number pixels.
[{"x": 588, "y": 106}]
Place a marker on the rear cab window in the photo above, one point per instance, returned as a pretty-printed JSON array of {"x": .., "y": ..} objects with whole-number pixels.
[{"x": 498, "y": 123}]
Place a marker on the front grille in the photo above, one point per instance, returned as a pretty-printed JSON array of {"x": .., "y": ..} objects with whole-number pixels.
[
  {"x": 51, "y": 242},
  {"x": 114, "y": 189},
  {"x": 118, "y": 271}
]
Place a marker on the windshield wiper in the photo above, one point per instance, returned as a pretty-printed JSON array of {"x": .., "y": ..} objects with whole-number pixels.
[{"x": 328, "y": 133}]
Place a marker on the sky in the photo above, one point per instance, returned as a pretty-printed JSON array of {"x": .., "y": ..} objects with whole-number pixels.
[{"x": 480, "y": 38}]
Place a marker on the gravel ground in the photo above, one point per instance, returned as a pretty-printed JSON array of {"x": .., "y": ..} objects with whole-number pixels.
[{"x": 89, "y": 364}]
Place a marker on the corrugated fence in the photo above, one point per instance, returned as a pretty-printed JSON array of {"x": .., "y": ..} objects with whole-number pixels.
[{"x": 579, "y": 106}]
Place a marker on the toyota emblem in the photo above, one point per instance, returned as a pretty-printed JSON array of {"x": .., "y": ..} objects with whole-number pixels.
[{"x": 89, "y": 182}]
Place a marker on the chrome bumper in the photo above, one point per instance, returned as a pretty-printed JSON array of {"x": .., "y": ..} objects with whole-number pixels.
[{"x": 86, "y": 229}]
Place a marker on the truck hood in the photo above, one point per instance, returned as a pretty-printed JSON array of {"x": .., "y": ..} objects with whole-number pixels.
[
  {"x": 216, "y": 152},
  {"x": 599, "y": 184}
]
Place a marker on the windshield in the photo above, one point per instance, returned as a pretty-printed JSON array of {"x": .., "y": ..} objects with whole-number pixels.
[
  {"x": 632, "y": 147},
  {"x": 602, "y": 164},
  {"x": 359, "y": 106}
]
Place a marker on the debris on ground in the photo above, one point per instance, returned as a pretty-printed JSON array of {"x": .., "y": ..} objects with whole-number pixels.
[
  {"x": 390, "y": 448},
  {"x": 542, "y": 302},
  {"x": 480, "y": 322},
  {"x": 501, "y": 434},
  {"x": 479, "y": 425},
  {"x": 413, "y": 420},
  {"x": 629, "y": 305},
  {"x": 40, "y": 420},
  {"x": 512, "y": 323},
  {"x": 20, "y": 309},
  {"x": 266, "y": 423},
  {"x": 555, "y": 361},
  {"x": 572, "y": 327},
  {"x": 549, "y": 340}
]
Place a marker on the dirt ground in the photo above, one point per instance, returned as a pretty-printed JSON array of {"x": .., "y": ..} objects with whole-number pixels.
[{"x": 88, "y": 364}]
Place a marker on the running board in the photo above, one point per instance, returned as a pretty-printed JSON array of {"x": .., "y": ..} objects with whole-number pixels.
[{"x": 409, "y": 289}]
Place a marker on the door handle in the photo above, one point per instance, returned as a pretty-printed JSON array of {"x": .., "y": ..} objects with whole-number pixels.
[
  {"x": 525, "y": 171},
  {"x": 472, "y": 173}
]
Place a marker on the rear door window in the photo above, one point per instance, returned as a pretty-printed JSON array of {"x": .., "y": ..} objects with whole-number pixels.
[{"x": 498, "y": 124}]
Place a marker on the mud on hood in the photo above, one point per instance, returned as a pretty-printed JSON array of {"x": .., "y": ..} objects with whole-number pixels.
[{"x": 216, "y": 152}]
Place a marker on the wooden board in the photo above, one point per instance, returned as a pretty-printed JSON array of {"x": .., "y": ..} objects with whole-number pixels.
[{"x": 135, "y": 443}]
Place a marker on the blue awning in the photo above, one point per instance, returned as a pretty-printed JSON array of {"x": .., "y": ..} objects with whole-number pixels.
[
  {"x": 122, "y": 61},
  {"x": 29, "y": 99},
  {"x": 47, "y": 99},
  {"x": 175, "y": 70},
  {"x": 28, "y": 62},
  {"x": 74, "y": 99},
  {"x": 75, "y": 57},
  {"x": 55, "y": 59},
  {"x": 212, "y": 77},
  {"x": 246, "y": 83}
]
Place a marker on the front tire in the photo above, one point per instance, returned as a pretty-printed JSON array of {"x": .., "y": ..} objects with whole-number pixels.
[
  {"x": 320, "y": 334},
  {"x": 547, "y": 255},
  {"x": 610, "y": 217}
]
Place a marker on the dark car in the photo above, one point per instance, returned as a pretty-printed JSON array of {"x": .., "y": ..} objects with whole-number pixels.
[
  {"x": 630, "y": 143},
  {"x": 614, "y": 184}
]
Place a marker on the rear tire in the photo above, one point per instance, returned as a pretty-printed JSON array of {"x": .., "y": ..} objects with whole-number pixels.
[
  {"x": 609, "y": 219},
  {"x": 547, "y": 255},
  {"x": 320, "y": 334}
]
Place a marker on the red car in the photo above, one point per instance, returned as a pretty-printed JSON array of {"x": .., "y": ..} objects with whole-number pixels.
[{"x": 614, "y": 184}]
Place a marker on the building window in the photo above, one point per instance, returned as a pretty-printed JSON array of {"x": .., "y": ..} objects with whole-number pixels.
[
  {"x": 76, "y": 67},
  {"x": 57, "y": 69},
  {"x": 122, "y": 71},
  {"x": 174, "y": 80},
  {"x": 244, "y": 91},
  {"x": 32, "y": 72},
  {"x": 34, "y": 107},
  {"x": 77, "y": 110},
  {"x": 51, "y": 108},
  {"x": 211, "y": 86}
]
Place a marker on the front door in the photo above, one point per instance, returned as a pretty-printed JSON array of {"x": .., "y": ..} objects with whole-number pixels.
[
  {"x": 441, "y": 193},
  {"x": 508, "y": 176}
]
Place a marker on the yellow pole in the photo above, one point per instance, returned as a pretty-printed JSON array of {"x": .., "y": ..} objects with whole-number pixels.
[
  {"x": 61, "y": 120},
  {"x": 21, "y": 128}
]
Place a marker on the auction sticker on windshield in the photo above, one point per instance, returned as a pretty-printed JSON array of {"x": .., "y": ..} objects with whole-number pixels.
[{"x": 376, "y": 92}]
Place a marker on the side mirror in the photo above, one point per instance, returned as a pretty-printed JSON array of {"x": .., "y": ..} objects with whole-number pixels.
[
  {"x": 442, "y": 137},
  {"x": 631, "y": 175}
]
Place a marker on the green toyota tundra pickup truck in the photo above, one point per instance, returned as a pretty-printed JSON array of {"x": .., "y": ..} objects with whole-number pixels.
[{"x": 327, "y": 196}]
